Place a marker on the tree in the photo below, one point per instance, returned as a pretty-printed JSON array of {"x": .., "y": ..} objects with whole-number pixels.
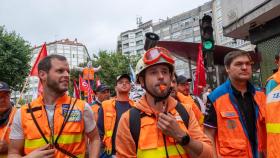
[{"x": 15, "y": 56}]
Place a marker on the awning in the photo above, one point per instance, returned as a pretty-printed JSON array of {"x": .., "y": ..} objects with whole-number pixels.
[{"x": 188, "y": 50}]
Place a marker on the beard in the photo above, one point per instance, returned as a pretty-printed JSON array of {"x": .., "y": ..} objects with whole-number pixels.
[{"x": 55, "y": 86}]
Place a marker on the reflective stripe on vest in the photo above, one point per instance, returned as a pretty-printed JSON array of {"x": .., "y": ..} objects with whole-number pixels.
[
  {"x": 63, "y": 139},
  {"x": 273, "y": 128},
  {"x": 160, "y": 152}
]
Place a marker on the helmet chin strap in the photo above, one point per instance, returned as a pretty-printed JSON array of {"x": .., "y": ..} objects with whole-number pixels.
[{"x": 158, "y": 98}]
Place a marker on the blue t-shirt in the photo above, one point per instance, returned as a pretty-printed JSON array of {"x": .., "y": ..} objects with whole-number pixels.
[
  {"x": 121, "y": 107},
  {"x": 271, "y": 84}
]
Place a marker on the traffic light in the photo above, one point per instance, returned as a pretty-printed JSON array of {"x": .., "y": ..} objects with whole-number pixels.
[{"x": 207, "y": 39}]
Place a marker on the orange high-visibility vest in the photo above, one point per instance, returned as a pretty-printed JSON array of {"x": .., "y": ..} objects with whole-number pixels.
[
  {"x": 110, "y": 115},
  {"x": 72, "y": 138},
  {"x": 275, "y": 77},
  {"x": 231, "y": 139},
  {"x": 88, "y": 73},
  {"x": 273, "y": 123},
  {"x": 151, "y": 144},
  {"x": 3, "y": 128},
  {"x": 7, "y": 128},
  {"x": 188, "y": 100}
]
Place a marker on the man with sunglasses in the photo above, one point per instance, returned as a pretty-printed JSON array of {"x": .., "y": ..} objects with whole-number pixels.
[
  {"x": 54, "y": 124},
  {"x": 154, "y": 127},
  {"x": 7, "y": 112},
  {"x": 235, "y": 115}
]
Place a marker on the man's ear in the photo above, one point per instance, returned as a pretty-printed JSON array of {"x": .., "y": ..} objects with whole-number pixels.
[
  {"x": 226, "y": 68},
  {"x": 141, "y": 80},
  {"x": 42, "y": 75}
]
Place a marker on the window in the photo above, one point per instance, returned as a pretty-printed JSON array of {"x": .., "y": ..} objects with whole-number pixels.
[
  {"x": 190, "y": 39},
  {"x": 166, "y": 38},
  {"x": 126, "y": 45},
  {"x": 175, "y": 26},
  {"x": 197, "y": 38},
  {"x": 166, "y": 29},
  {"x": 140, "y": 42},
  {"x": 157, "y": 32},
  {"x": 125, "y": 37},
  {"x": 196, "y": 28},
  {"x": 186, "y": 23},
  {"x": 219, "y": 13},
  {"x": 187, "y": 31},
  {"x": 139, "y": 51},
  {"x": 176, "y": 35},
  {"x": 138, "y": 34}
]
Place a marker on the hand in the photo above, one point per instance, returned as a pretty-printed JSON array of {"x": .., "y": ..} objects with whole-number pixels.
[
  {"x": 169, "y": 126},
  {"x": 3, "y": 147},
  {"x": 43, "y": 152}
]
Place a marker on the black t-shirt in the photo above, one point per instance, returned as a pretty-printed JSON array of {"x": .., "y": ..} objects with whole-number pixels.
[{"x": 246, "y": 106}]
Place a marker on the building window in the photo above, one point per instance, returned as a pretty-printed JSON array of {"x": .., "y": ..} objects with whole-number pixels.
[
  {"x": 140, "y": 42},
  {"x": 175, "y": 26},
  {"x": 126, "y": 45},
  {"x": 219, "y": 13},
  {"x": 138, "y": 34},
  {"x": 139, "y": 51},
  {"x": 197, "y": 38},
  {"x": 176, "y": 35},
  {"x": 190, "y": 39},
  {"x": 165, "y": 29},
  {"x": 157, "y": 32},
  {"x": 196, "y": 28},
  {"x": 125, "y": 37}
]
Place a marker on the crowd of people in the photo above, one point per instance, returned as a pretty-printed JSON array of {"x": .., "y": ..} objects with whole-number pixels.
[{"x": 233, "y": 120}]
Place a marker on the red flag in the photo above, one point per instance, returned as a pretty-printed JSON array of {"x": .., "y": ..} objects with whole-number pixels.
[
  {"x": 42, "y": 54},
  {"x": 200, "y": 80},
  {"x": 90, "y": 93},
  {"x": 83, "y": 85},
  {"x": 76, "y": 90},
  {"x": 98, "y": 82}
]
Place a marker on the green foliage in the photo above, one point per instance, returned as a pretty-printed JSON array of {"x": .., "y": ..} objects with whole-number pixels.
[
  {"x": 113, "y": 64},
  {"x": 74, "y": 75},
  {"x": 15, "y": 55}
]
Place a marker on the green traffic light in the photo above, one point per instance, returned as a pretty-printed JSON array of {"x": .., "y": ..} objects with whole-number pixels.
[{"x": 207, "y": 45}]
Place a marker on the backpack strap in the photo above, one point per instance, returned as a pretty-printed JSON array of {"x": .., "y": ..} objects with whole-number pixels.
[
  {"x": 135, "y": 124},
  {"x": 183, "y": 113},
  {"x": 135, "y": 121}
]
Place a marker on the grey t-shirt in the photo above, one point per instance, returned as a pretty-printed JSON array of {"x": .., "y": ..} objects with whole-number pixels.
[{"x": 17, "y": 131}]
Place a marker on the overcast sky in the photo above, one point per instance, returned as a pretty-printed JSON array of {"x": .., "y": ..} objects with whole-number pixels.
[{"x": 95, "y": 23}]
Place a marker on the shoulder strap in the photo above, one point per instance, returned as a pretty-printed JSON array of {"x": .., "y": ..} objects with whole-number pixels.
[
  {"x": 134, "y": 124},
  {"x": 196, "y": 102},
  {"x": 36, "y": 124},
  {"x": 135, "y": 121},
  {"x": 183, "y": 113}
]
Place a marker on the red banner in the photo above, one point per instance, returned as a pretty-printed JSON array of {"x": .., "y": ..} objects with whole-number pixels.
[
  {"x": 200, "y": 79},
  {"x": 42, "y": 54}
]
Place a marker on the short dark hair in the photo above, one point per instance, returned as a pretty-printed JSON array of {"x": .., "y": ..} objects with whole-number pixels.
[
  {"x": 234, "y": 54},
  {"x": 45, "y": 64}
]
